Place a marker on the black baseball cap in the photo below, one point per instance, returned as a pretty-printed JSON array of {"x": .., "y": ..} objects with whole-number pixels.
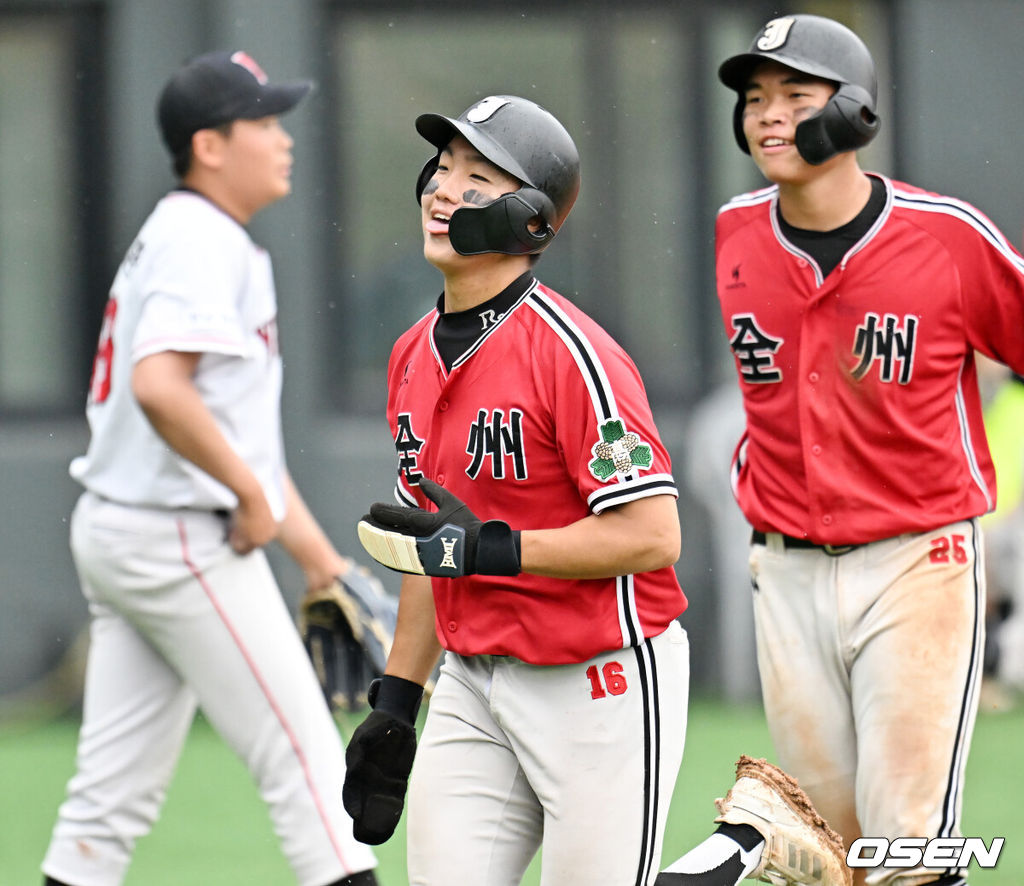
[{"x": 219, "y": 87}]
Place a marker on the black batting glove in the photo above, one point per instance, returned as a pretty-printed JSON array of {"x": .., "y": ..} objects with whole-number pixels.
[
  {"x": 451, "y": 542},
  {"x": 379, "y": 758}
]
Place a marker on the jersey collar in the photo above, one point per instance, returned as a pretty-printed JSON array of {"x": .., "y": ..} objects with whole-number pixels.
[{"x": 457, "y": 335}]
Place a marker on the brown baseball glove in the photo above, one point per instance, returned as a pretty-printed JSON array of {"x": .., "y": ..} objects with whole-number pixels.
[{"x": 348, "y": 628}]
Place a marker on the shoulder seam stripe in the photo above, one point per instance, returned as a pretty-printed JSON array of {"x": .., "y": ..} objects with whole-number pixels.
[
  {"x": 963, "y": 211},
  {"x": 751, "y": 198},
  {"x": 587, "y": 361}
]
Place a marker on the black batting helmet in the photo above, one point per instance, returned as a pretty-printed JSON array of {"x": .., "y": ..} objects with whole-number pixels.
[
  {"x": 822, "y": 48},
  {"x": 526, "y": 141}
]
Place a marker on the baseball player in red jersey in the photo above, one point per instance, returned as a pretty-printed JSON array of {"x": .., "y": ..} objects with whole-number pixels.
[
  {"x": 185, "y": 482},
  {"x": 537, "y": 521},
  {"x": 854, "y": 306}
]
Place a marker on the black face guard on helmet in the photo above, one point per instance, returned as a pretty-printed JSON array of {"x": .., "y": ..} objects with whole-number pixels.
[
  {"x": 526, "y": 141},
  {"x": 822, "y": 48},
  {"x": 504, "y": 225}
]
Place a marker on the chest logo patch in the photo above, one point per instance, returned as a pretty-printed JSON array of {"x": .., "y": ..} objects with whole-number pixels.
[{"x": 619, "y": 452}]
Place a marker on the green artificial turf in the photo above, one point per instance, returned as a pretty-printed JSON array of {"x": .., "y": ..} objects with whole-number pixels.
[{"x": 215, "y": 831}]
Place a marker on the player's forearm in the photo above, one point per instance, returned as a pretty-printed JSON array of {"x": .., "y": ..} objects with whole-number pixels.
[
  {"x": 306, "y": 542},
  {"x": 415, "y": 650},
  {"x": 163, "y": 388},
  {"x": 639, "y": 536}
]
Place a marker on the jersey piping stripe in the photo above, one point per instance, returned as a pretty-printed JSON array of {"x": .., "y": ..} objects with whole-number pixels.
[
  {"x": 965, "y": 213},
  {"x": 967, "y": 442},
  {"x": 590, "y": 366},
  {"x": 629, "y": 618},
  {"x": 911, "y": 201},
  {"x": 739, "y": 460},
  {"x": 603, "y": 401},
  {"x": 819, "y": 278},
  {"x": 293, "y": 741},
  {"x": 433, "y": 347},
  {"x": 878, "y": 224},
  {"x": 950, "y": 825},
  {"x": 403, "y": 496},
  {"x": 489, "y": 332},
  {"x": 473, "y": 348},
  {"x": 648, "y": 671},
  {"x": 792, "y": 249},
  {"x": 751, "y": 198},
  {"x": 592, "y": 371},
  {"x": 652, "y": 484}
]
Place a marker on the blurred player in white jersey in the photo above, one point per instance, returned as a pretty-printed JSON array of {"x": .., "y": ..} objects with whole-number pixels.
[{"x": 185, "y": 482}]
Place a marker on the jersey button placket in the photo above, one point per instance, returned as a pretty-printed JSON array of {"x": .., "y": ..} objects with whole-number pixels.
[{"x": 814, "y": 405}]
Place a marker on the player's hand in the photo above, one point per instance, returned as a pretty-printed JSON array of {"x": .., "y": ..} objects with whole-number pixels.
[
  {"x": 451, "y": 542},
  {"x": 252, "y": 525},
  {"x": 379, "y": 758}
]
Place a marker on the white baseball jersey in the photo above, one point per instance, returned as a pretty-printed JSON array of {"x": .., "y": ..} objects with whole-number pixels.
[
  {"x": 179, "y": 620},
  {"x": 192, "y": 281}
]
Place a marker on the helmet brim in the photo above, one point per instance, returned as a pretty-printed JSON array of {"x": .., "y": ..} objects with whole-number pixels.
[
  {"x": 735, "y": 72},
  {"x": 440, "y": 130}
]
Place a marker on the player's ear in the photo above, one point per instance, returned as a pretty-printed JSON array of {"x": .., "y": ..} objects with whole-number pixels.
[{"x": 208, "y": 148}]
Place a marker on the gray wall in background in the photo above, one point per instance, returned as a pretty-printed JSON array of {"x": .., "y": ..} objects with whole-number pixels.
[{"x": 961, "y": 116}]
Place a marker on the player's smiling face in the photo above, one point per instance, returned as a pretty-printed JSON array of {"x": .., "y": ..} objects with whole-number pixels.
[
  {"x": 464, "y": 178},
  {"x": 777, "y": 99}
]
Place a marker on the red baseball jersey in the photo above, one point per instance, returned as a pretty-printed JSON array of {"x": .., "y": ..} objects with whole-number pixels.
[
  {"x": 541, "y": 422},
  {"x": 863, "y": 413}
]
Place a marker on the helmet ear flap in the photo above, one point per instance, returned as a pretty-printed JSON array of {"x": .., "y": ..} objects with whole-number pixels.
[
  {"x": 504, "y": 225},
  {"x": 737, "y": 125},
  {"x": 541, "y": 204},
  {"x": 426, "y": 174},
  {"x": 522, "y": 207},
  {"x": 846, "y": 123}
]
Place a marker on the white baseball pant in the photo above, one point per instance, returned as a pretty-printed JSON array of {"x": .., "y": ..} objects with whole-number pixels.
[
  {"x": 582, "y": 757},
  {"x": 179, "y": 621},
  {"x": 870, "y": 667}
]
